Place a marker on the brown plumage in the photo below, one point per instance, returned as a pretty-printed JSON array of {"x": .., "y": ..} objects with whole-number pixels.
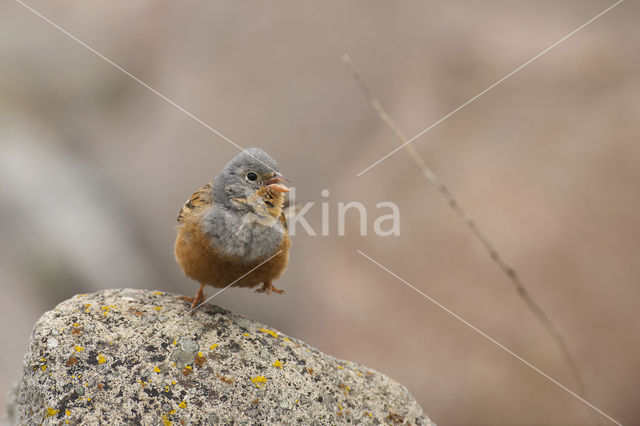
[
  {"x": 200, "y": 261},
  {"x": 199, "y": 257}
]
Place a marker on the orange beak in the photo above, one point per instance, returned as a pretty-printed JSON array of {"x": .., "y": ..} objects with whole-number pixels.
[{"x": 275, "y": 183}]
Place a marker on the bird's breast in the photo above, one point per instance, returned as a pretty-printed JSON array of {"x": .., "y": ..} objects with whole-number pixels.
[{"x": 245, "y": 237}]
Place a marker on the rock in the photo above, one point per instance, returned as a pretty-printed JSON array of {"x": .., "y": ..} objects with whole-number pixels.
[{"x": 107, "y": 358}]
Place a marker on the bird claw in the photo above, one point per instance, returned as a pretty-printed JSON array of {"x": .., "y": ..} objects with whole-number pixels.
[
  {"x": 195, "y": 301},
  {"x": 267, "y": 288}
]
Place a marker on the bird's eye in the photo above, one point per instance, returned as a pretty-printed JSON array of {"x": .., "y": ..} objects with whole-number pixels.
[{"x": 252, "y": 176}]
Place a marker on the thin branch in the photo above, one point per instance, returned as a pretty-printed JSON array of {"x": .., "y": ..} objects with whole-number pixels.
[{"x": 509, "y": 271}]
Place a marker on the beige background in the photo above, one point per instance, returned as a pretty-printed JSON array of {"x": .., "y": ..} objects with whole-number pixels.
[{"x": 94, "y": 167}]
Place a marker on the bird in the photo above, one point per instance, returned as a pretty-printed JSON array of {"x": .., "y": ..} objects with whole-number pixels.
[{"x": 234, "y": 229}]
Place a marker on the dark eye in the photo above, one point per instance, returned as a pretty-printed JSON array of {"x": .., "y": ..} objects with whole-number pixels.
[{"x": 252, "y": 176}]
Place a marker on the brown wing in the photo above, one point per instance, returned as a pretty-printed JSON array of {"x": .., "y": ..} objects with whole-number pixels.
[
  {"x": 283, "y": 220},
  {"x": 200, "y": 200}
]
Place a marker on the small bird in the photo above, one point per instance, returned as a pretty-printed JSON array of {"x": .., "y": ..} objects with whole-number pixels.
[{"x": 233, "y": 224}]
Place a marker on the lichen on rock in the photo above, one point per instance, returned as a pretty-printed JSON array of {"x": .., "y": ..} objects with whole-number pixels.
[{"x": 135, "y": 357}]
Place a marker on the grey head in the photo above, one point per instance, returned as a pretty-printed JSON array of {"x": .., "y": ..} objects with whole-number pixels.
[
  {"x": 243, "y": 176},
  {"x": 247, "y": 197}
]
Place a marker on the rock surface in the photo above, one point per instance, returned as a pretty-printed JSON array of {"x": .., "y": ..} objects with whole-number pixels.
[{"x": 134, "y": 357}]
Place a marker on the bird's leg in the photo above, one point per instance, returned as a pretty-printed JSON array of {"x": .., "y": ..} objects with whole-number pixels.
[
  {"x": 195, "y": 301},
  {"x": 268, "y": 287}
]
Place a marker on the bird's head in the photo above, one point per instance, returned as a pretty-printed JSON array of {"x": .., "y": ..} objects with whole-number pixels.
[{"x": 251, "y": 182}]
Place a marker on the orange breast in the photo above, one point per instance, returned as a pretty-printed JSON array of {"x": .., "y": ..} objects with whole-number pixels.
[{"x": 201, "y": 262}]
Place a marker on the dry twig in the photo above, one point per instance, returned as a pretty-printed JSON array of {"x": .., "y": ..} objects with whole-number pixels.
[{"x": 511, "y": 273}]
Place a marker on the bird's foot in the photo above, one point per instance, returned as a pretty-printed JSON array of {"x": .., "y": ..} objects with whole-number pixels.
[
  {"x": 267, "y": 288},
  {"x": 196, "y": 300}
]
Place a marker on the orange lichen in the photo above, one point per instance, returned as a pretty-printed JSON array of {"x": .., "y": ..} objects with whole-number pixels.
[
  {"x": 227, "y": 380},
  {"x": 200, "y": 360}
]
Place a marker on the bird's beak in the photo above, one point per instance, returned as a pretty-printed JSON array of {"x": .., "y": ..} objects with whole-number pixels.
[{"x": 275, "y": 183}]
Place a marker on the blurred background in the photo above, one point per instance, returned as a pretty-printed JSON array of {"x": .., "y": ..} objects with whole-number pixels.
[{"x": 94, "y": 168}]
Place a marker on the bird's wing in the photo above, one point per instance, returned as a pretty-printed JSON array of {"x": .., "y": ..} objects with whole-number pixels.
[
  {"x": 199, "y": 201},
  {"x": 283, "y": 221}
]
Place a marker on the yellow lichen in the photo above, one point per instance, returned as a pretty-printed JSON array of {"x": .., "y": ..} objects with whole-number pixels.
[
  {"x": 157, "y": 308},
  {"x": 75, "y": 324},
  {"x": 259, "y": 381},
  {"x": 44, "y": 367},
  {"x": 271, "y": 332},
  {"x": 277, "y": 364},
  {"x": 340, "y": 367},
  {"x": 158, "y": 293},
  {"x": 51, "y": 412},
  {"x": 287, "y": 339},
  {"x": 101, "y": 359},
  {"x": 246, "y": 334},
  {"x": 200, "y": 354},
  {"x": 79, "y": 348},
  {"x": 156, "y": 369},
  {"x": 212, "y": 347},
  {"x": 183, "y": 404},
  {"x": 67, "y": 412}
]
